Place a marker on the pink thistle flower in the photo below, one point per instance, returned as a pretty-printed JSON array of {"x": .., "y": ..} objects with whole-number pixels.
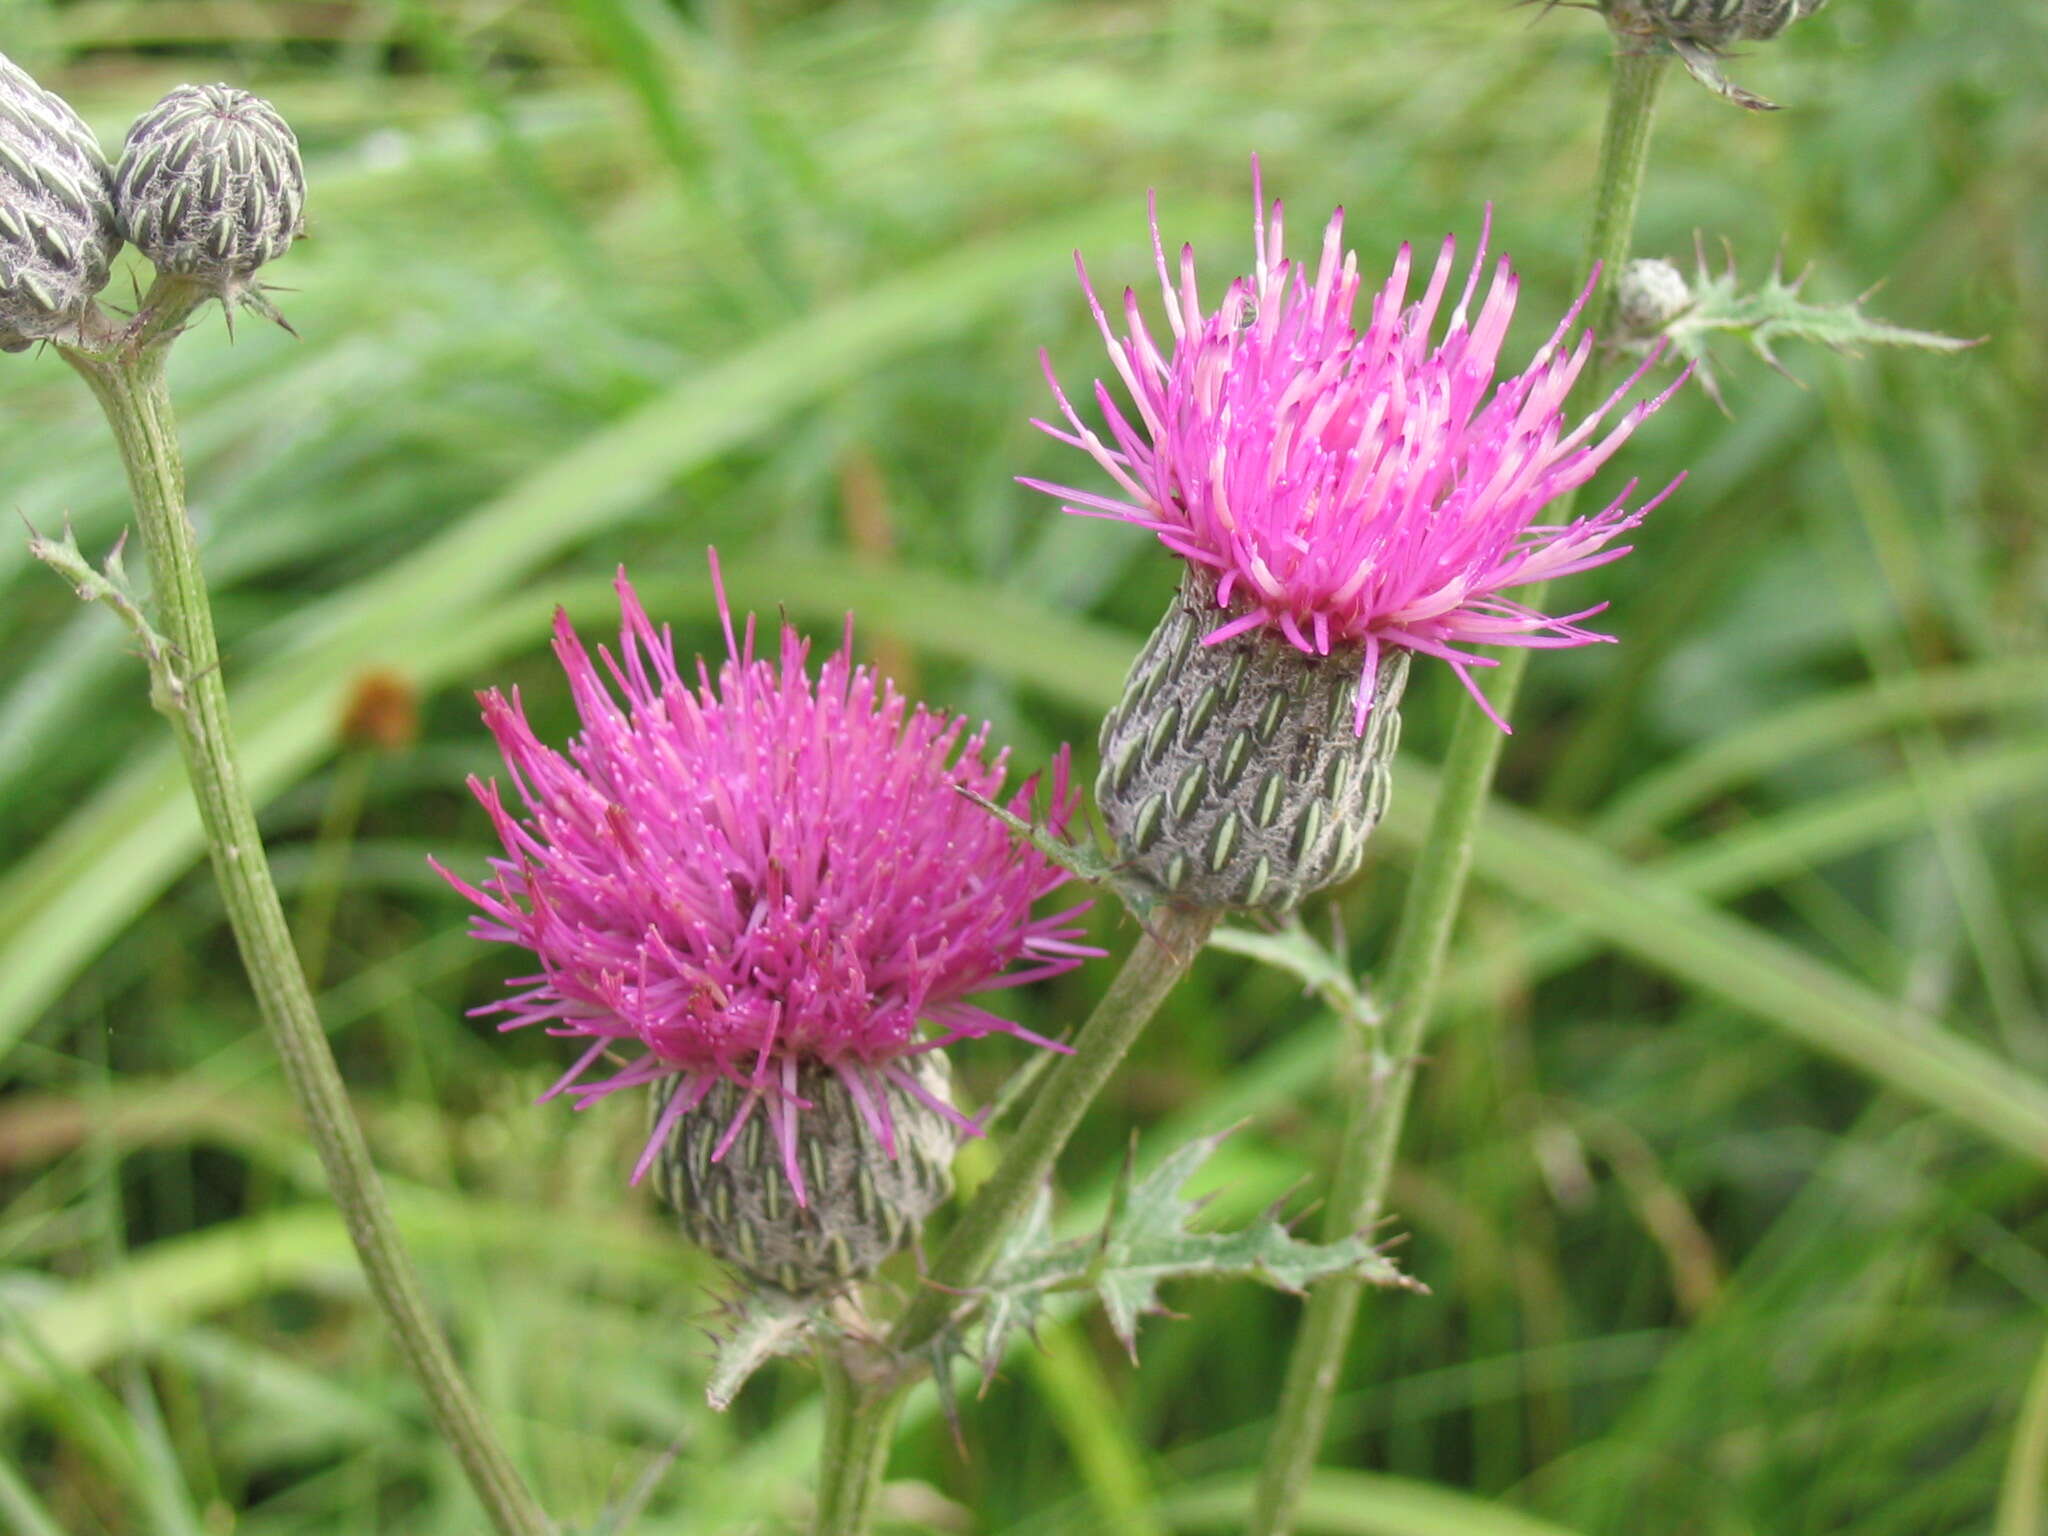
[
  {"x": 728, "y": 879},
  {"x": 1339, "y": 486}
]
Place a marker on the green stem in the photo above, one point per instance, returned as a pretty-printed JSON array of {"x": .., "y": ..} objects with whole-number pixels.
[
  {"x": 1624, "y": 157},
  {"x": 128, "y": 379},
  {"x": 1372, "y": 1135},
  {"x": 860, "y": 1418},
  {"x": 858, "y": 1422},
  {"x": 1162, "y": 956}
]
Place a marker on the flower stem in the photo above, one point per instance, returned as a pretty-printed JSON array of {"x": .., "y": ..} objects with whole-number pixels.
[
  {"x": 128, "y": 380},
  {"x": 859, "y": 1417},
  {"x": 1162, "y": 956},
  {"x": 1372, "y": 1135},
  {"x": 1624, "y": 158}
]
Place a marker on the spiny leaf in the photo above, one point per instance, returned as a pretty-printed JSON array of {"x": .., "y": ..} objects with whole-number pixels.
[
  {"x": 768, "y": 1324},
  {"x": 1147, "y": 1240},
  {"x": 1773, "y": 312},
  {"x": 110, "y": 585},
  {"x": 1704, "y": 65},
  {"x": 1013, "y": 1309}
]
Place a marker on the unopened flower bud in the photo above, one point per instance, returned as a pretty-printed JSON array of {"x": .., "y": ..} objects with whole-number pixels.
[
  {"x": 860, "y": 1201},
  {"x": 1649, "y": 295},
  {"x": 1701, "y": 32},
  {"x": 58, "y": 235},
  {"x": 1234, "y": 775},
  {"x": 210, "y": 187},
  {"x": 1718, "y": 23}
]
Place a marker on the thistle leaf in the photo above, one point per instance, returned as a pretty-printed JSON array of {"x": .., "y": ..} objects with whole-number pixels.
[
  {"x": 768, "y": 1325},
  {"x": 1082, "y": 860},
  {"x": 1147, "y": 1240},
  {"x": 110, "y": 585},
  {"x": 1704, "y": 65},
  {"x": 1772, "y": 313},
  {"x": 1015, "y": 1308}
]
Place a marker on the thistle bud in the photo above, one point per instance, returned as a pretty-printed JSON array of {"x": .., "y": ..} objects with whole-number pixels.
[
  {"x": 58, "y": 235},
  {"x": 1718, "y": 23},
  {"x": 210, "y": 187},
  {"x": 1701, "y": 31},
  {"x": 1234, "y": 775},
  {"x": 1649, "y": 295},
  {"x": 860, "y": 1201}
]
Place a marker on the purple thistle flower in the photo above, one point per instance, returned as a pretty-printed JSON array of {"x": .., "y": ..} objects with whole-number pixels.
[
  {"x": 1338, "y": 487},
  {"x": 733, "y": 879}
]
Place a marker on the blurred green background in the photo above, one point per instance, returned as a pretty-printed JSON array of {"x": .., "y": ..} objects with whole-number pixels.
[{"x": 1713, "y": 1249}]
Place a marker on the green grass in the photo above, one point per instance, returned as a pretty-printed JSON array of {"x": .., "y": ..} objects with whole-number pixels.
[{"x": 1725, "y": 1170}]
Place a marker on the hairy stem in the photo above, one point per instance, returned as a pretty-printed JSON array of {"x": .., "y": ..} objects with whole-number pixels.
[
  {"x": 1624, "y": 158},
  {"x": 860, "y": 1418},
  {"x": 1372, "y": 1135},
  {"x": 128, "y": 380}
]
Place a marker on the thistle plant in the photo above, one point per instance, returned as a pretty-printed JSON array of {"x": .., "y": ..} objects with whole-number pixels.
[
  {"x": 765, "y": 900},
  {"x": 1346, "y": 492},
  {"x": 223, "y": 198}
]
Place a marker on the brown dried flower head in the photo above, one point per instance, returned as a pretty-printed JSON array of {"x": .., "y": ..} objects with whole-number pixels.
[{"x": 381, "y": 712}]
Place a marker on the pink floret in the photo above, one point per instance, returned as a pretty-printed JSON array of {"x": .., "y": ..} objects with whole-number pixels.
[
  {"x": 1348, "y": 486},
  {"x": 725, "y": 878}
]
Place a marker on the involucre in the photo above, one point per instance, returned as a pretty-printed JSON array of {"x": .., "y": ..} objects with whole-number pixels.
[
  {"x": 210, "y": 186},
  {"x": 58, "y": 235},
  {"x": 1233, "y": 776},
  {"x": 1718, "y": 23},
  {"x": 863, "y": 1200}
]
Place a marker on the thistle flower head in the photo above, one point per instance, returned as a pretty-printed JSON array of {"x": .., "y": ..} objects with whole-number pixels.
[
  {"x": 210, "y": 186},
  {"x": 735, "y": 880},
  {"x": 1346, "y": 479},
  {"x": 58, "y": 236}
]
